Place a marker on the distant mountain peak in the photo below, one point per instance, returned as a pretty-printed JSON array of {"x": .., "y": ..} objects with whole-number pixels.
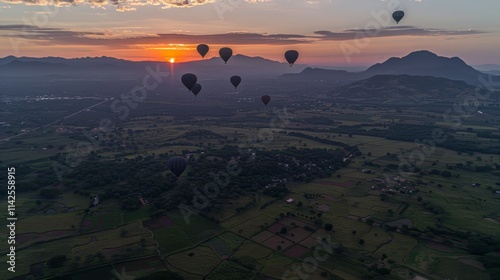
[
  {"x": 417, "y": 63},
  {"x": 426, "y": 63},
  {"x": 421, "y": 53}
]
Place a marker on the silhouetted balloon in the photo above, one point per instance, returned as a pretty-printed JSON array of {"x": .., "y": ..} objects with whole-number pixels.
[
  {"x": 291, "y": 56},
  {"x": 265, "y": 99},
  {"x": 235, "y": 80},
  {"x": 196, "y": 89},
  {"x": 225, "y": 54},
  {"x": 398, "y": 15},
  {"x": 189, "y": 80},
  {"x": 177, "y": 165},
  {"x": 202, "y": 49}
]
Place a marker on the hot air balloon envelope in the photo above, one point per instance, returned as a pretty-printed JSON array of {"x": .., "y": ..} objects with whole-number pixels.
[
  {"x": 235, "y": 80},
  {"x": 265, "y": 99},
  {"x": 291, "y": 56},
  {"x": 196, "y": 89},
  {"x": 177, "y": 165},
  {"x": 189, "y": 80},
  {"x": 202, "y": 49},
  {"x": 398, "y": 15},
  {"x": 225, "y": 54}
]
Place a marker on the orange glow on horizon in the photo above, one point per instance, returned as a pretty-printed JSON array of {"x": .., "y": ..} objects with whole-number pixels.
[
  {"x": 320, "y": 54},
  {"x": 172, "y": 53}
]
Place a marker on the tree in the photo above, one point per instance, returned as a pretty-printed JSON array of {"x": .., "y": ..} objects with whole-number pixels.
[
  {"x": 130, "y": 203},
  {"x": 446, "y": 174},
  {"x": 353, "y": 232},
  {"x": 100, "y": 256},
  {"x": 361, "y": 241},
  {"x": 383, "y": 196},
  {"x": 338, "y": 249},
  {"x": 56, "y": 261},
  {"x": 328, "y": 227},
  {"x": 383, "y": 271},
  {"x": 477, "y": 246}
]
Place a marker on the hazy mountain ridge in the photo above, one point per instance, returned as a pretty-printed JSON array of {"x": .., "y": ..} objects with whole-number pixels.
[
  {"x": 487, "y": 67},
  {"x": 491, "y": 72},
  {"x": 425, "y": 63},
  {"x": 419, "y": 63},
  {"x": 85, "y": 67},
  {"x": 403, "y": 86},
  {"x": 237, "y": 65},
  {"x": 80, "y": 61},
  {"x": 96, "y": 66}
]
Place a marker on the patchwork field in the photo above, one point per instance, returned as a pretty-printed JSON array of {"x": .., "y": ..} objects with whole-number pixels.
[{"x": 418, "y": 224}]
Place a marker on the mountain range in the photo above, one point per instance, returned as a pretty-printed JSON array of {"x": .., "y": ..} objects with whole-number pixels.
[
  {"x": 487, "y": 67},
  {"x": 106, "y": 67},
  {"x": 419, "y": 63}
]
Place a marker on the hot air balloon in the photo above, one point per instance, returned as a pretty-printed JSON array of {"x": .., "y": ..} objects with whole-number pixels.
[
  {"x": 177, "y": 165},
  {"x": 225, "y": 54},
  {"x": 398, "y": 15},
  {"x": 265, "y": 99},
  {"x": 189, "y": 80},
  {"x": 202, "y": 49},
  {"x": 196, "y": 89},
  {"x": 235, "y": 80},
  {"x": 291, "y": 56}
]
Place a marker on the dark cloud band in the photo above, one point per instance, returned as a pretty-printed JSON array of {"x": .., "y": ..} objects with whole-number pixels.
[{"x": 47, "y": 36}]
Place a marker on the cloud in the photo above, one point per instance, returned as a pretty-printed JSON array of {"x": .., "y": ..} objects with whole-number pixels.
[
  {"x": 58, "y": 36},
  {"x": 50, "y": 36},
  {"x": 390, "y": 31},
  {"x": 130, "y": 5}
]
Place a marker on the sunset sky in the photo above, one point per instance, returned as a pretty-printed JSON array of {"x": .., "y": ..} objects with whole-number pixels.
[{"x": 323, "y": 31}]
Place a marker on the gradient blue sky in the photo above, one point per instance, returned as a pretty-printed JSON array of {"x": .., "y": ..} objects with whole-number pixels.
[{"x": 323, "y": 31}]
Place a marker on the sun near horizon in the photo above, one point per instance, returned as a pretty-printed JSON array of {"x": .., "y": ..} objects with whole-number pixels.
[{"x": 172, "y": 60}]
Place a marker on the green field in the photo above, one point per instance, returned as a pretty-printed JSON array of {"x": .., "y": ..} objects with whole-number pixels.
[
  {"x": 227, "y": 240},
  {"x": 172, "y": 239}
]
